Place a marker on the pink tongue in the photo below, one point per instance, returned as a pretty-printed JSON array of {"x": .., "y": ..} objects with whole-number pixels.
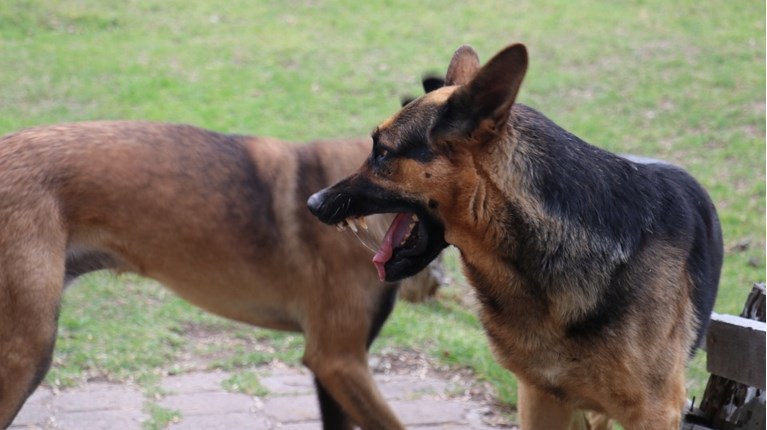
[{"x": 397, "y": 231}]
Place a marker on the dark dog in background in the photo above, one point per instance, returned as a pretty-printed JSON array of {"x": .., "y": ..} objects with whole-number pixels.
[
  {"x": 219, "y": 219},
  {"x": 596, "y": 274}
]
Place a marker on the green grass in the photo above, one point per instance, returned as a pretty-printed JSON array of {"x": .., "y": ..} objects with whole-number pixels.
[
  {"x": 683, "y": 81},
  {"x": 159, "y": 417},
  {"x": 246, "y": 382}
]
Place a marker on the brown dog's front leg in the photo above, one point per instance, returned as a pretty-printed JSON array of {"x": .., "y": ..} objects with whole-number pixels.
[
  {"x": 333, "y": 416},
  {"x": 347, "y": 379}
]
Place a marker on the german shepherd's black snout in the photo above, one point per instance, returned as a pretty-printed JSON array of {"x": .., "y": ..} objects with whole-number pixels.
[
  {"x": 315, "y": 204},
  {"x": 355, "y": 197}
]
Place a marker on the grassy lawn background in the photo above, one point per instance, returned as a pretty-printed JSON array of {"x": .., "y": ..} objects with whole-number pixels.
[{"x": 683, "y": 81}]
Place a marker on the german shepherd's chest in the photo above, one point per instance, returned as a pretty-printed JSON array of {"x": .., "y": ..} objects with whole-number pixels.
[
  {"x": 529, "y": 338},
  {"x": 546, "y": 359}
]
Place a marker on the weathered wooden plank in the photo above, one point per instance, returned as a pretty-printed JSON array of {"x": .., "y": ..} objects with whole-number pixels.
[
  {"x": 690, "y": 426},
  {"x": 728, "y": 404},
  {"x": 736, "y": 349}
]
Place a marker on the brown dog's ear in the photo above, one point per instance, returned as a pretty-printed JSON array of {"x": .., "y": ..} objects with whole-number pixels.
[
  {"x": 432, "y": 82},
  {"x": 463, "y": 66},
  {"x": 480, "y": 109}
]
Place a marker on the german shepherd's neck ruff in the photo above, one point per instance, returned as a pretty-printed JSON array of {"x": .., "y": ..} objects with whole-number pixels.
[{"x": 596, "y": 274}]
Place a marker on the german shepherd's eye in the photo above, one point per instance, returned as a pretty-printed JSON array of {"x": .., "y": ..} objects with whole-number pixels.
[
  {"x": 380, "y": 153},
  {"x": 380, "y": 158}
]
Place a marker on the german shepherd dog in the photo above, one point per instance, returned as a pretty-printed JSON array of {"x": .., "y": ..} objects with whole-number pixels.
[
  {"x": 596, "y": 274},
  {"x": 219, "y": 219}
]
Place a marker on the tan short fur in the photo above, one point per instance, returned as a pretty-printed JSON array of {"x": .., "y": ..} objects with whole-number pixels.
[{"x": 219, "y": 219}]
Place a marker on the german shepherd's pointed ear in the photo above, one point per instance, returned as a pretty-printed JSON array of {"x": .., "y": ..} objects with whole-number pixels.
[{"x": 478, "y": 111}]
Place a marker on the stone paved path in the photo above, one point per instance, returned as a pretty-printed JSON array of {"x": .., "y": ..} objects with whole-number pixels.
[{"x": 421, "y": 402}]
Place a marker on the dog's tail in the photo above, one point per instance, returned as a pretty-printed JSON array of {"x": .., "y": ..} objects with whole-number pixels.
[{"x": 704, "y": 262}]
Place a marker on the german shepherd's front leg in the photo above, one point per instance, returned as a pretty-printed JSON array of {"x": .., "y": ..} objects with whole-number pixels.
[{"x": 540, "y": 411}]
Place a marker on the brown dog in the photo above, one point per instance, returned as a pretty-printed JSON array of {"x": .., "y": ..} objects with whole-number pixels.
[
  {"x": 219, "y": 219},
  {"x": 596, "y": 274}
]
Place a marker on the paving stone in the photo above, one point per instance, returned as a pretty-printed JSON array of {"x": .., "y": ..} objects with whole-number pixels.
[
  {"x": 209, "y": 403},
  {"x": 429, "y": 411},
  {"x": 288, "y": 383},
  {"x": 101, "y": 420},
  {"x": 99, "y": 396},
  {"x": 291, "y": 409},
  {"x": 306, "y": 425},
  {"x": 230, "y": 421},
  {"x": 404, "y": 387},
  {"x": 443, "y": 426},
  {"x": 37, "y": 410},
  {"x": 474, "y": 416},
  {"x": 194, "y": 382},
  {"x": 420, "y": 403}
]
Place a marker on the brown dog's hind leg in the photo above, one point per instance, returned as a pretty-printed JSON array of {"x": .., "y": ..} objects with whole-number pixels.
[
  {"x": 29, "y": 304},
  {"x": 26, "y": 358},
  {"x": 32, "y": 248}
]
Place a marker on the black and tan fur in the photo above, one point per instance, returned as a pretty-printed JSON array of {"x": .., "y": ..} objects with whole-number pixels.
[
  {"x": 219, "y": 219},
  {"x": 596, "y": 274}
]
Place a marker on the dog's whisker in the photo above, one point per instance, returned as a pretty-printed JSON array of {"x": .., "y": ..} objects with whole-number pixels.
[{"x": 366, "y": 241}]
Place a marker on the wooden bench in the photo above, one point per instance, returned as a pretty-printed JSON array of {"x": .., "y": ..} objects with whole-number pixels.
[{"x": 735, "y": 394}]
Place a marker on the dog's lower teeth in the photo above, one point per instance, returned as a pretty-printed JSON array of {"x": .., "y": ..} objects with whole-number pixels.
[{"x": 409, "y": 232}]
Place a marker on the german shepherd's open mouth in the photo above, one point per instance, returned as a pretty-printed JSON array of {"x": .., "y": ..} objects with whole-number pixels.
[{"x": 413, "y": 239}]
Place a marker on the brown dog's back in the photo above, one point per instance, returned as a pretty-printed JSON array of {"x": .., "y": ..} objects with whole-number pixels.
[{"x": 132, "y": 194}]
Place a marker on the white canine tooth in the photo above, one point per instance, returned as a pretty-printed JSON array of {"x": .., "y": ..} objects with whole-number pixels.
[
  {"x": 362, "y": 222},
  {"x": 351, "y": 223},
  {"x": 341, "y": 226},
  {"x": 414, "y": 217}
]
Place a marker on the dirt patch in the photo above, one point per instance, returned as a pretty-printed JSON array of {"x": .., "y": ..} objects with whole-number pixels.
[{"x": 418, "y": 365}]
